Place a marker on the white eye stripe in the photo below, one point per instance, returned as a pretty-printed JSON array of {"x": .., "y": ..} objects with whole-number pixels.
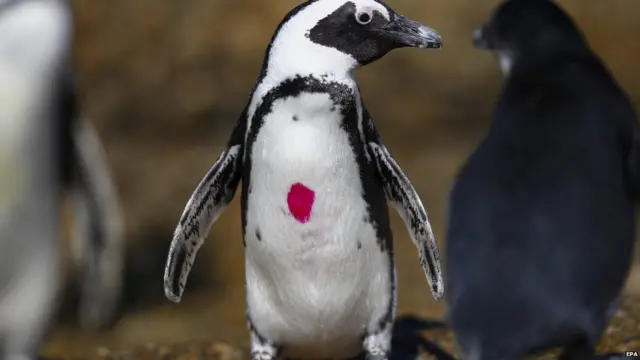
[{"x": 369, "y": 8}]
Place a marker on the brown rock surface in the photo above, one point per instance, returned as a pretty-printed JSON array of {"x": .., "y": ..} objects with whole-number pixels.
[
  {"x": 164, "y": 80},
  {"x": 623, "y": 335}
]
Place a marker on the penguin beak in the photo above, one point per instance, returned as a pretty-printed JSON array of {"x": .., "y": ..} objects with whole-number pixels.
[
  {"x": 405, "y": 32},
  {"x": 480, "y": 40}
]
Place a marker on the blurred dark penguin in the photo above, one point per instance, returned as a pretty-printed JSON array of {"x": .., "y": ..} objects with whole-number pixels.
[{"x": 541, "y": 219}]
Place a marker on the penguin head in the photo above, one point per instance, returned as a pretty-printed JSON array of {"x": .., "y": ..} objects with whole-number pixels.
[
  {"x": 321, "y": 36},
  {"x": 34, "y": 35},
  {"x": 522, "y": 30}
]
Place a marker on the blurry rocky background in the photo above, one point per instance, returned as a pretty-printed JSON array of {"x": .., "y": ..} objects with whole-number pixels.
[{"x": 165, "y": 80}]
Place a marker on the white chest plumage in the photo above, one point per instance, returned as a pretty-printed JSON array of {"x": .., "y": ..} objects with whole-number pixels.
[{"x": 309, "y": 279}]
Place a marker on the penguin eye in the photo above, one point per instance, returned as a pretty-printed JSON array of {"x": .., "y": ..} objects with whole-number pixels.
[{"x": 364, "y": 17}]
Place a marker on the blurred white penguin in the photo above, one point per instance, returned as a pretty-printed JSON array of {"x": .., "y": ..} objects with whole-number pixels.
[{"x": 44, "y": 149}]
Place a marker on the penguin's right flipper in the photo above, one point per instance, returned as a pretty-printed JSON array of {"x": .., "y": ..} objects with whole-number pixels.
[{"x": 211, "y": 197}]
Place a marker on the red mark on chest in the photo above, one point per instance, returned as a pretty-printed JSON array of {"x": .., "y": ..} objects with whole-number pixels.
[{"x": 300, "y": 200}]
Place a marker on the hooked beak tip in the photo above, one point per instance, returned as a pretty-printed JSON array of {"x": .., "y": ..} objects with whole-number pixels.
[
  {"x": 406, "y": 32},
  {"x": 479, "y": 41},
  {"x": 431, "y": 39}
]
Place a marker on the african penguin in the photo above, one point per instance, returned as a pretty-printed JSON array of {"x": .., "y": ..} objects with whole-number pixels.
[
  {"x": 320, "y": 276},
  {"x": 43, "y": 151},
  {"x": 541, "y": 219}
]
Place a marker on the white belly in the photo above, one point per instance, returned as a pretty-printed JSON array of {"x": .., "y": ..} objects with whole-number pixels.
[{"x": 316, "y": 286}]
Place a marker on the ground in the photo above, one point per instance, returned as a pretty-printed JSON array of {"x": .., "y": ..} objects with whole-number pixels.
[{"x": 623, "y": 335}]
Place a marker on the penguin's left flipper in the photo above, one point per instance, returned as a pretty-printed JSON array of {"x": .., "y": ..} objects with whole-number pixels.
[
  {"x": 99, "y": 229},
  {"x": 98, "y": 240},
  {"x": 407, "y": 203},
  {"x": 208, "y": 201}
]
